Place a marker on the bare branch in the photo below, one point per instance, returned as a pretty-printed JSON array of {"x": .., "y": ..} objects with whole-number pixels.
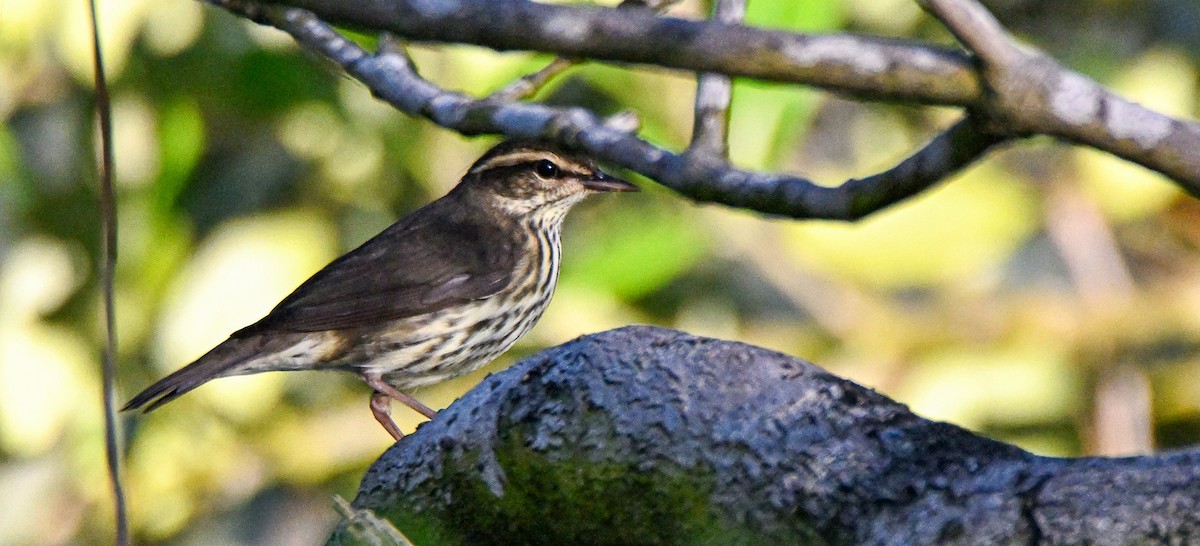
[
  {"x": 953, "y": 150},
  {"x": 864, "y": 66},
  {"x": 710, "y": 124},
  {"x": 977, "y": 29},
  {"x": 525, "y": 86},
  {"x": 389, "y": 44},
  {"x": 1017, "y": 92},
  {"x": 529, "y": 84},
  {"x": 1029, "y": 93},
  {"x": 704, "y": 179},
  {"x": 714, "y": 92}
]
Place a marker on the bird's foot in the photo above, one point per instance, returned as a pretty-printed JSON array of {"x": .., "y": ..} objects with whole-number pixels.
[
  {"x": 380, "y": 386},
  {"x": 381, "y": 407}
]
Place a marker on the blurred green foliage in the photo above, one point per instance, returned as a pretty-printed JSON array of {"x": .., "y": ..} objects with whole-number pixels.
[{"x": 1047, "y": 296}]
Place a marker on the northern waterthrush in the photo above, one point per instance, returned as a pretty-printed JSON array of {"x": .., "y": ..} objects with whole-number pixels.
[{"x": 439, "y": 293}]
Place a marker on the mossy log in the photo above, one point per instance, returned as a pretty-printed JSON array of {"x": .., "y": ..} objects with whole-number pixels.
[{"x": 650, "y": 436}]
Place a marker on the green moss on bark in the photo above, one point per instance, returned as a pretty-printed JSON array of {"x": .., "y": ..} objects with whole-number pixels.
[{"x": 548, "y": 500}]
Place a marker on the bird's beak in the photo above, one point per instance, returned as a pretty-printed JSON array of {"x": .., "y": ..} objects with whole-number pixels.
[{"x": 604, "y": 182}]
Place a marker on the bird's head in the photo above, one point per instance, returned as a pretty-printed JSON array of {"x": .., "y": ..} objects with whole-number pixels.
[{"x": 526, "y": 179}]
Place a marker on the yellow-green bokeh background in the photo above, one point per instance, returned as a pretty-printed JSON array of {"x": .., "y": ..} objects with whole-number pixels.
[{"x": 1047, "y": 297}]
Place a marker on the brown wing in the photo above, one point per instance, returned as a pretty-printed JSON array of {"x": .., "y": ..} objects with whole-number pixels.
[{"x": 440, "y": 256}]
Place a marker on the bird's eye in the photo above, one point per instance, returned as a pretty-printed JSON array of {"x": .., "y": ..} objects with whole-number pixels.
[{"x": 546, "y": 169}]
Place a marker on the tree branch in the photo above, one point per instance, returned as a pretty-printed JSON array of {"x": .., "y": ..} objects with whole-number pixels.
[
  {"x": 1030, "y": 93},
  {"x": 863, "y": 66},
  {"x": 714, "y": 92},
  {"x": 1020, "y": 93},
  {"x": 529, "y": 84},
  {"x": 525, "y": 86},
  {"x": 391, "y": 77},
  {"x": 975, "y": 28},
  {"x": 650, "y": 436}
]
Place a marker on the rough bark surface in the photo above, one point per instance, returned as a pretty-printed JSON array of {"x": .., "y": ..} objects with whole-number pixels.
[
  {"x": 650, "y": 436},
  {"x": 1007, "y": 92}
]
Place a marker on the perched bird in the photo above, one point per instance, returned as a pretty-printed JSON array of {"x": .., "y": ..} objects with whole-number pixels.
[{"x": 439, "y": 293}]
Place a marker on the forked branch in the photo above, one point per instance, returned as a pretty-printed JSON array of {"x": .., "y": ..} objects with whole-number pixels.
[{"x": 1007, "y": 91}]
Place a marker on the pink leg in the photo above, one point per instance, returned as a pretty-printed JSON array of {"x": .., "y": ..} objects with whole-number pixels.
[
  {"x": 381, "y": 406},
  {"x": 378, "y": 384}
]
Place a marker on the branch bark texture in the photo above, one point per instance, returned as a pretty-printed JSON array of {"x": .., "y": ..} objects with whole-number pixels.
[
  {"x": 391, "y": 76},
  {"x": 714, "y": 94},
  {"x": 864, "y": 66},
  {"x": 650, "y": 436},
  {"x": 1020, "y": 92}
]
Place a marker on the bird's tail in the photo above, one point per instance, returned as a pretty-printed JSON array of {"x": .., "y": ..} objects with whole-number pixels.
[{"x": 225, "y": 359}]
